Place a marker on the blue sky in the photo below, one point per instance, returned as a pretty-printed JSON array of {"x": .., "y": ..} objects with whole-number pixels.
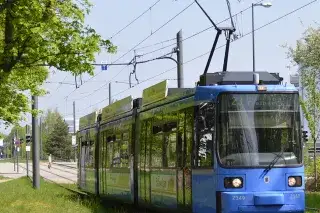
[{"x": 107, "y": 17}]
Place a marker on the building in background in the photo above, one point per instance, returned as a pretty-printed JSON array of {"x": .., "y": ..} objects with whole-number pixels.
[{"x": 69, "y": 121}]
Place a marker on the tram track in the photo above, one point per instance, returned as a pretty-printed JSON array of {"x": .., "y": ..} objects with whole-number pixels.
[
  {"x": 63, "y": 170},
  {"x": 64, "y": 165},
  {"x": 50, "y": 172}
]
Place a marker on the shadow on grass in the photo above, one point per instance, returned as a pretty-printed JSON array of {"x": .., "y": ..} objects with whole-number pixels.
[{"x": 99, "y": 205}]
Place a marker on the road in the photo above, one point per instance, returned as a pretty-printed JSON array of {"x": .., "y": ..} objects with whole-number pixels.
[{"x": 62, "y": 172}]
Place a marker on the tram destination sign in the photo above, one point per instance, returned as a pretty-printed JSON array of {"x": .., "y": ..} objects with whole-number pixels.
[
  {"x": 155, "y": 93},
  {"x": 116, "y": 108},
  {"x": 87, "y": 120}
]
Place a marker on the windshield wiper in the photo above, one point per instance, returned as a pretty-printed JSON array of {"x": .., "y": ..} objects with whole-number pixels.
[{"x": 272, "y": 163}]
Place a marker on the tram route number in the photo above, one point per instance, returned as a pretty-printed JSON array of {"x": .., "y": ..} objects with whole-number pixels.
[
  {"x": 294, "y": 196},
  {"x": 238, "y": 197}
]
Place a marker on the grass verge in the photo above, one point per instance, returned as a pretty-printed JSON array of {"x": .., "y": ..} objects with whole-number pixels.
[
  {"x": 312, "y": 200},
  {"x": 3, "y": 178},
  {"x": 19, "y": 196}
]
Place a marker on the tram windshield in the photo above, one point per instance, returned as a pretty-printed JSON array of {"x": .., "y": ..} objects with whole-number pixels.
[{"x": 255, "y": 129}]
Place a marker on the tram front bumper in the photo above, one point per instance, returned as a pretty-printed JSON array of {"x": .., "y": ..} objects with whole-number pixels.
[{"x": 284, "y": 201}]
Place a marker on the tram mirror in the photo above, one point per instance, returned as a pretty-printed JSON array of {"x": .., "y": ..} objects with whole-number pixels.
[{"x": 109, "y": 139}]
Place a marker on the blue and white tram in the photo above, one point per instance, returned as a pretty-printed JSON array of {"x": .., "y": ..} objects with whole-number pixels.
[{"x": 232, "y": 144}]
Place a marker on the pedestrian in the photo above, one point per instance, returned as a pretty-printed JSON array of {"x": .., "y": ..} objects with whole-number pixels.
[{"x": 50, "y": 160}]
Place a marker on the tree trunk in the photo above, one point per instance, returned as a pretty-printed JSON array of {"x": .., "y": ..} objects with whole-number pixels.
[{"x": 315, "y": 164}]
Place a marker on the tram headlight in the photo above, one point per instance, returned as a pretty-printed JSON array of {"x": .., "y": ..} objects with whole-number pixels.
[
  {"x": 233, "y": 182},
  {"x": 295, "y": 181},
  {"x": 236, "y": 182}
]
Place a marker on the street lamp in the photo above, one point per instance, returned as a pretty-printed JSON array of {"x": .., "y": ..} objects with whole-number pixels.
[{"x": 266, "y": 5}]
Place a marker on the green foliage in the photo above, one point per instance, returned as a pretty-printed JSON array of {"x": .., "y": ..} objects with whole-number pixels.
[
  {"x": 48, "y": 122},
  {"x": 307, "y": 50},
  {"x": 311, "y": 103},
  {"x": 42, "y": 32},
  {"x": 309, "y": 172},
  {"x": 13, "y": 103},
  {"x": 312, "y": 200},
  {"x": 2, "y": 135},
  {"x": 8, "y": 140},
  {"x": 58, "y": 143},
  {"x": 306, "y": 55}
]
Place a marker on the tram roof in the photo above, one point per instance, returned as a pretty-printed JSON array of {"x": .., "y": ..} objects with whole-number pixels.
[
  {"x": 211, "y": 92},
  {"x": 159, "y": 94}
]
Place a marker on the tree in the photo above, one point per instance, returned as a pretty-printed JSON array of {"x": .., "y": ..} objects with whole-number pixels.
[
  {"x": 13, "y": 103},
  {"x": 58, "y": 143},
  {"x": 35, "y": 33},
  {"x": 48, "y": 122},
  {"x": 18, "y": 131},
  {"x": 306, "y": 54}
]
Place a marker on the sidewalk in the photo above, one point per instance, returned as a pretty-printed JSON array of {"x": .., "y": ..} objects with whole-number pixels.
[{"x": 7, "y": 170}]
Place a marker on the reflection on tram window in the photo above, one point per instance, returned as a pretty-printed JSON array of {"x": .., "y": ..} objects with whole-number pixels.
[{"x": 205, "y": 123}]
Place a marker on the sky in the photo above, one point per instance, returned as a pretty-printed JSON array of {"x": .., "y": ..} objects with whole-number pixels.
[{"x": 108, "y": 17}]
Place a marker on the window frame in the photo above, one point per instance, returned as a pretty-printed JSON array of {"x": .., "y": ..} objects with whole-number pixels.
[
  {"x": 196, "y": 137},
  {"x": 218, "y": 130}
]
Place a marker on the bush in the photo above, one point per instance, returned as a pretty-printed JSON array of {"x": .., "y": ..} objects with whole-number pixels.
[{"x": 309, "y": 173}]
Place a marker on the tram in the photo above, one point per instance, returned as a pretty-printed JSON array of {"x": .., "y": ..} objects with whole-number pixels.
[{"x": 231, "y": 144}]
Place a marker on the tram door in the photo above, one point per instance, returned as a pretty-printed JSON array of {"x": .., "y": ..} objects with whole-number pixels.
[
  {"x": 184, "y": 147},
  {"x": 82, "y": 160},
  {"x": 203, "y": 173}
]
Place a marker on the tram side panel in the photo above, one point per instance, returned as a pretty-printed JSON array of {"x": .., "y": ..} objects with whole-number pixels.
[
  {"x": 87, "y": 176},
  {"x": 115, "y": 168},
  {"x": 164, "y": 163}
]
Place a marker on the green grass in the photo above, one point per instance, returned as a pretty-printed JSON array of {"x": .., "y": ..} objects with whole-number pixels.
[
  {"x": 9, "y": 160},
  {"x": 313, "y": 200},
  {"x": 19, "y": 196},
  {"x": 3, "y": 178}
]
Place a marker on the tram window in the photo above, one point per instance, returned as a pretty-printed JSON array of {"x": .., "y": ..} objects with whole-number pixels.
[
  {"x": 124, "y": 150},
  {"x": 110, "y": 154},
  {"x": 116, "y": 151},
  {"x": 185, "y": 136},
  {"x": 205, "y": 135},
  {"x": 143, "y": 137},
  {"x": 169, "y": 127},
  {"x": 157, "y": 150},
  {"x": 156, "y": 129},
  {"x": 170, "y": 141}
]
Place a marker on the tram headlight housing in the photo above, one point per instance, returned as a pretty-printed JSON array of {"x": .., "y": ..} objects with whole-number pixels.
[
  {"x": 295, "y": 181},
  {"x": 233, "y": 182}
]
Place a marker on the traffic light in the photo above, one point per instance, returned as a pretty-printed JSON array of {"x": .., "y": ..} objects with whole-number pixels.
[
  {"x": 305, "y": 136},
  {"x": 28, "y": 138}
]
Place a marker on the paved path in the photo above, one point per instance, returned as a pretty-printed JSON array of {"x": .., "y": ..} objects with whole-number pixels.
[
  {"x": 7, "y": 170},
  {"x": 65, "y": 173}
]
